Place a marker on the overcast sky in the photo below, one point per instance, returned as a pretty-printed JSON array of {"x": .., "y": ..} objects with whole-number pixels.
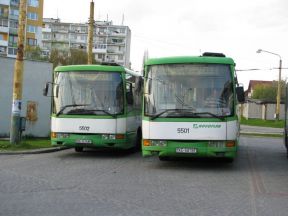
[{"x": 237, "y": 28}]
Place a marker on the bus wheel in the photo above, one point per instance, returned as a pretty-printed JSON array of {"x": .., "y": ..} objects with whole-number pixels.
[
  {"x": 228, "y": 160},
  {"x": 164, "y": 158},
  {"x": 79, "y": 149},
  {"x": 137, "y": 142}
]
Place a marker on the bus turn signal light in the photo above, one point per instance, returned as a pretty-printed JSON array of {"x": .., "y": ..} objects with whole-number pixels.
[
  {"x": 120, "y": 136},
  {"x": 146, "y": 142},
  {"x": 230, "y": 144},
  {"x": 53, "y": 135}
]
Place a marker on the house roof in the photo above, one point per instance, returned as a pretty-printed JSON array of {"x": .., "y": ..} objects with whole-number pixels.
[{"x": 253, "y": 83}]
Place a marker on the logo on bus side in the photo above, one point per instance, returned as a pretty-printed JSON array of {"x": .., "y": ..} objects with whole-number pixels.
[
  {"x": 198, "y": 126},
  {"x": 84, "y": 128}
]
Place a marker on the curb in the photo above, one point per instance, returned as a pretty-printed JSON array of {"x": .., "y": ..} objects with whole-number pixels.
[
  {"x": 262, "y": 134},
  {"x": 34, "y": 151}
]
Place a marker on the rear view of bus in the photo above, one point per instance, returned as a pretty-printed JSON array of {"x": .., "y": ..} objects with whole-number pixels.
[
  {"x": 95, "y": 106},
  {"x": 190, "y": 107}
]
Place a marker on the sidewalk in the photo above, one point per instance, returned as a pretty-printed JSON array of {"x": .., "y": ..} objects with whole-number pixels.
[
  {"x": 245, "y": 129},
  {"x": 34, "y": 151}
]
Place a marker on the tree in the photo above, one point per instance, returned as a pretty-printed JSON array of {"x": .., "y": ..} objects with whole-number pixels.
[
  {"x": 71, "y": 57},
  {"x": 35, "y": 53},
  {"x": 268, "y": 92}
]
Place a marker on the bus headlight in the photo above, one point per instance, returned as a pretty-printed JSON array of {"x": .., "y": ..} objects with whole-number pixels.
[
  {"x": 59, "y": 135},
  {"x": 161, "y": 143},
  {"x": 105, "y": 136},
  {"x": 217, "y": 144},
  {"x": 112, "y": 136}
]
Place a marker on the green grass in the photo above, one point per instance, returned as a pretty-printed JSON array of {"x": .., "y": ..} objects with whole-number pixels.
[
  {"x": 263, "y": 123},
  {"x": 26, "y": 144}
]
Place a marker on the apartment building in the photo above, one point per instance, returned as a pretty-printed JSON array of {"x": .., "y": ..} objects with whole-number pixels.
[
  {"x": 111, "y": 43},
  {"x": 9, "y": 14}
]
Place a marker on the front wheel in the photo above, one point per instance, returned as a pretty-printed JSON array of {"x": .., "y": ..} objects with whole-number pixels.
[
  {"x": 79, "y": 149},
  {"x": 164, "y": 158}
]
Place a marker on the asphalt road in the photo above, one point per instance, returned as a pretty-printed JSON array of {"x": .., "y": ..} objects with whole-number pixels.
[{"x": 102, "y": 183}]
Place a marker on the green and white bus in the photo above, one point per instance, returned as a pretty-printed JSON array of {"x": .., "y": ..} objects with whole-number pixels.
[
  {"x": 190, "y": 107},
  {"x": 95, "y": 106}
]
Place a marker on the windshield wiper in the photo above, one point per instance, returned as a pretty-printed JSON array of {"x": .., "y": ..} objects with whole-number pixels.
[
  {"x": 71, "y": 105},
  {"x": 167, "y": 110},
  {"x": 190, "y": 111},
  {"x": 100, "y": 110},
  {"x": 211, "y": 114}
]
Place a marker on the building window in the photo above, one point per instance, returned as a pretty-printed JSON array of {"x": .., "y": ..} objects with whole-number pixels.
[
  {"x": 13, "y": 40},
  {"x": 2, "y": 50},
  {"x": 100, "y": 46},
  {"x": 32, "y": 42},
  {"x": 4, "y": 23},
  {"x": 14, "y": 12},
  {"x": 4, "y": 12},
  {"x": 15, "y": 2},
  {"x": 33, "y": 3},
  {"x": 47, "y": 36},
  {"x": 101, "y": 56},
  {"x": 32, "y": 16},
  {"x": 12, "y": 51},
  {"x": 122, "y": 30},
  {"x": 13, "y": 24},
  {"x": 31, "y": 29},
  {"x": 120, "y": 57}
]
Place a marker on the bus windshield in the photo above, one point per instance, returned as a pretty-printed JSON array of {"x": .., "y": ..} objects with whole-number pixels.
[
  {"x": 88, "y": 93},
  {"x": 189, "y": 90}
]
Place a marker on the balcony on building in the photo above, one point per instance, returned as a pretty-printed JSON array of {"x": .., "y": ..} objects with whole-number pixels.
[
  {"x": 100, "y": 48},
  {"x": 3, "y": 51},
  {"x": 13, "y": 31},
  {"x": 4, "y": 29},
  {"x": 46, "y": 30},
  {"x": 13, "y": 17},
  {"x": 3, "y": 43}
]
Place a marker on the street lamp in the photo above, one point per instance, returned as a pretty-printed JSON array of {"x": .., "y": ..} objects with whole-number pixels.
[{"x": 279, "y": 82}]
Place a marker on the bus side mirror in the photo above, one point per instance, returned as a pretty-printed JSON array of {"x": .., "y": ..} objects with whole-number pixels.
[
  {"x": 46, "y": 89},
  {"x": 149, "y": 86},
  {"x": 57, "y": 91},
  {"x": 240, "y": 94},
  {"x": 129, "y": 98},
  {"x": 129, "y": 94}
]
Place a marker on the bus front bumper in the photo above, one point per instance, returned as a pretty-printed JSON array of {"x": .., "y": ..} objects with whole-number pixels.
[{"x": 221, "y": 149}]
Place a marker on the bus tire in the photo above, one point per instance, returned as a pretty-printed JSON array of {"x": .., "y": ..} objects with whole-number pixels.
[
  {"x": 79, "y": 149},
  {"x": 164, "y": 158},
  {"x": 137, "y": 146},
  {"x": 228, "y": 160}
]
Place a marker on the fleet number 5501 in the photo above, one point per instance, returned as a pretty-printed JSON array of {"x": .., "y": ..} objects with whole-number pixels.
[{"x": 182, "y": 130}]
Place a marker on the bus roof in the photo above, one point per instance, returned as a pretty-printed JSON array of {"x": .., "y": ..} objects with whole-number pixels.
[
  {"x": 104, "y": 68},
  {"x": 190, "y": 59}
]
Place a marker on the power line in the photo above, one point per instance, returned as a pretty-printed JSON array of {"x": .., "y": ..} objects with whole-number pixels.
[{"x": 257, "y": 69}]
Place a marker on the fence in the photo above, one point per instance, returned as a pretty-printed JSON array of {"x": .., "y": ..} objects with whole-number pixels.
[{"x": 260, "y": 110}]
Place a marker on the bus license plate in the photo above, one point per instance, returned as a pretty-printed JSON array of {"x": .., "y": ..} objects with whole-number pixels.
[
  {"x": 186, "y": 150},
  {"x": 82, "y": 141}
]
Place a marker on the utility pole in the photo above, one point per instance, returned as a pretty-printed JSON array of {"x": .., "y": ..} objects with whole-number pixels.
[
  {"x": 90, "y": 33},
  {"x": 18, "y": 76},
  {"x": 279, "y": 92}
]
